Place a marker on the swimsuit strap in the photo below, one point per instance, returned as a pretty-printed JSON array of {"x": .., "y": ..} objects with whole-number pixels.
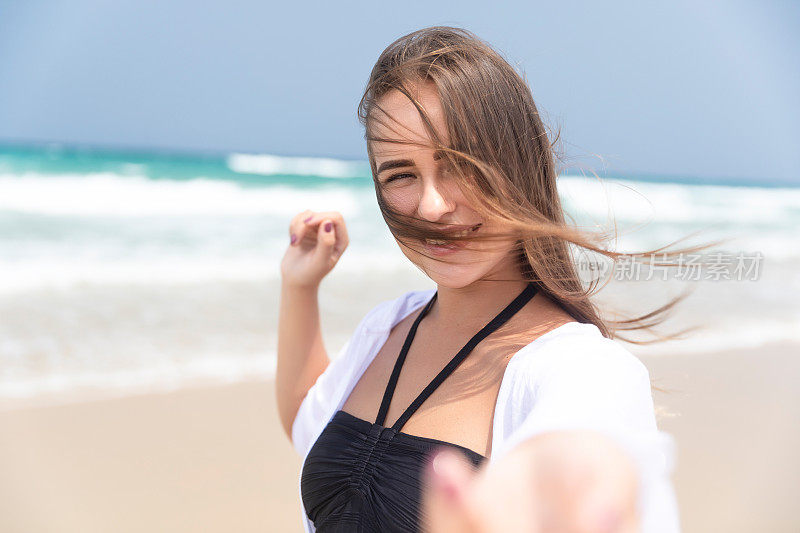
[
  {"x": 501, "y": 318},
  {"x": 389, "y": 392}
]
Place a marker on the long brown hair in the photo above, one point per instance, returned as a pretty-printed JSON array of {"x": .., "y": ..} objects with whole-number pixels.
[{"x": 506, "y": 165}]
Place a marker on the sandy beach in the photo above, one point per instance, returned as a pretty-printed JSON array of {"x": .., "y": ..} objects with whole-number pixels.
[
  {"x": 209, "y": 459},
  {"x": 215, "y": 458}
]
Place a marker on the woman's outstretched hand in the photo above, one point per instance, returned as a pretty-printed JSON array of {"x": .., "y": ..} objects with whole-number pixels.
[
  {"x": 566, "y": 481},
  {"x": 316, "y": 242}
]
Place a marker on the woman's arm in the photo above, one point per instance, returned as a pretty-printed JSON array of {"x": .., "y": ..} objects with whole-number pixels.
[
  {"x": 317, "y": 241},
  {"x": 301, "y": 354}
]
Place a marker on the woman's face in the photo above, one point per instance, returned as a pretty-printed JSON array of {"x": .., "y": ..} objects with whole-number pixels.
[{"x": 415, "y": 181}]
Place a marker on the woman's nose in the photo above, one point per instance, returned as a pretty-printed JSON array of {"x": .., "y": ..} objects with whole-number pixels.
[{"x": 433, "y": 204}]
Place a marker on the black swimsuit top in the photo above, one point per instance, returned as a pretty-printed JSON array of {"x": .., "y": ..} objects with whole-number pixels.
[{"x": 363, "y": 477}]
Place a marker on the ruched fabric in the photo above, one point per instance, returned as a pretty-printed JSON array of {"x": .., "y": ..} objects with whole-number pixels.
[
  {"x": 365, "y": 477},
  {"x": 361, "y": 476}
]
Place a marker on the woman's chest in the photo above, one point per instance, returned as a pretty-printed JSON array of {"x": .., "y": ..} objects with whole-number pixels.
[{"x": 460, "y": 408}]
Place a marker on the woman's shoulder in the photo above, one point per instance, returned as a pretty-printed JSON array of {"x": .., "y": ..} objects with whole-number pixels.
[
  {"x": 387, "y": 313},
  {"x": 574, "y": 376},
  {"x": 574, "y": 349},
  {"x": 376, "y": 323},
  {"x": 347, "y": 366}
]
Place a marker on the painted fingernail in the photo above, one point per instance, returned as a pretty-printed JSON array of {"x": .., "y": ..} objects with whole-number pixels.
[
  {"x": 328, "y": 227},
  {"x": 293, "y": 239},
  {"x": 309, "y": 218}
]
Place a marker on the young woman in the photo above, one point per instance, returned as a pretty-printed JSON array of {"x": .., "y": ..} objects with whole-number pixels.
[{"x": 502, "y": 387}]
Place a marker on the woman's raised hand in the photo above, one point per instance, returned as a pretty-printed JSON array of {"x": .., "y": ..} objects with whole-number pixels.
[{"x": 316, "y": 242}]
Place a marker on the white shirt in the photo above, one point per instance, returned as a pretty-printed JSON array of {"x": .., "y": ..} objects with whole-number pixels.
[{"x": 570, "y": 378}]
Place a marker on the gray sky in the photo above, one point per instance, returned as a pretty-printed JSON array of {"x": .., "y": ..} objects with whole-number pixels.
[{"x": 693, "y": 88}]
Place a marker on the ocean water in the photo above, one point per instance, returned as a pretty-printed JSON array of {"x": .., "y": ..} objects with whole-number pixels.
[{"x": 130, "y": 271}]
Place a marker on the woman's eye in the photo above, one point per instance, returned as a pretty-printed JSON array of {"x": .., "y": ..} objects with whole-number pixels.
[{"x": 398, "y": 176}]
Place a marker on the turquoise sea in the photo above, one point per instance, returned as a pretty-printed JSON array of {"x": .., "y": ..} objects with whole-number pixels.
[{"x": 121, "y": 270}]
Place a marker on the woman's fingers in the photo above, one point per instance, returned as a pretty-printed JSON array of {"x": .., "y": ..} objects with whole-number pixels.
[
  {"x": 307, "y": 224},
  {"x": 316, "y": 244},
  {"x": 297, "y": 227},
  {"x": 448, "y": 506},
  {"x": 315, "y": 218},
  {"x": 326, "y": 240}
]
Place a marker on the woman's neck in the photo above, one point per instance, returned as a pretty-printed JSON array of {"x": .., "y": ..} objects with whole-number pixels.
[{"x": 468, "y": 307}]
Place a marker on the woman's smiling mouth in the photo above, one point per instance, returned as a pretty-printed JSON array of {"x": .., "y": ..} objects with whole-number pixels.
[{"x": 444, "y": 246}]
